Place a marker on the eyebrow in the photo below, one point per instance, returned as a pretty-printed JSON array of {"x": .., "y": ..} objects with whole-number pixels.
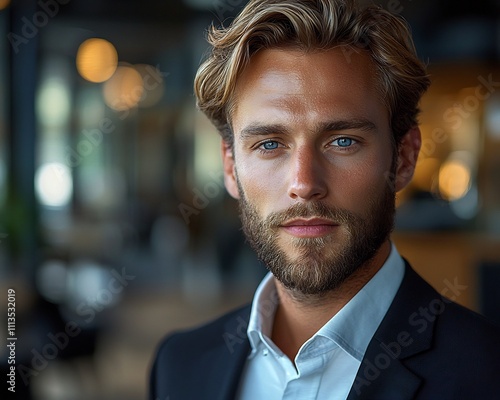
[
  {"x": 258, "y": 129},
  {"x": 344, "y": 125}
]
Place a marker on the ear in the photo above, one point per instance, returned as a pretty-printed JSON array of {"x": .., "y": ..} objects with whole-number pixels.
[
  {"x": 408, "y": 151},
  {"x": 229, "y": 169}
]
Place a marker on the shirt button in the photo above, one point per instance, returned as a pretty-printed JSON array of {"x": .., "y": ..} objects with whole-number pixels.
[{"x": 265, "y": 352}]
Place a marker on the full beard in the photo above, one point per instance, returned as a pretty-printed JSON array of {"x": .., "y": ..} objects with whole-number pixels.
[{"x": 322, "y": 264}]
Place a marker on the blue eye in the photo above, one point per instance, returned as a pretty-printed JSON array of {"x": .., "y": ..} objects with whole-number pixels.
[
  {"x": 344, "y": 142},
  {"x": 271, "y": 145}
]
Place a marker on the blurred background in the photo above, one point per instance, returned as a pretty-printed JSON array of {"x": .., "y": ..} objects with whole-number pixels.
[{"x": 115, "y": 227}]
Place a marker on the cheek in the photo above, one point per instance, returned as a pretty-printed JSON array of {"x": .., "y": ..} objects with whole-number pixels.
[
  {"x": 264, "y": 185},
  {"x": 356, "y": 182}
]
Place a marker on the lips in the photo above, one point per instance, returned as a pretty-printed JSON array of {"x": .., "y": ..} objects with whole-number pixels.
[{"x": 315, "y": 227}]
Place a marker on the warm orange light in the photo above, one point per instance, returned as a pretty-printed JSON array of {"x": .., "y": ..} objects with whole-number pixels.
[
  {"x": 4, "y": 4},
  {"x": 454, "y": 180},
  {"x": 124, "y": 90},
  {"x": 96, "y": 60},
  {"x": 426, "y": 173}
]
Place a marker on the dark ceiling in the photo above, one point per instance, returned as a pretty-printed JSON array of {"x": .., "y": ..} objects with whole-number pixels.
[{"x": 444, "y": 30}]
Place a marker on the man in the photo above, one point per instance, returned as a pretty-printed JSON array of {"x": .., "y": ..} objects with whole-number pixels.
[{"x": 316, "y": 102}]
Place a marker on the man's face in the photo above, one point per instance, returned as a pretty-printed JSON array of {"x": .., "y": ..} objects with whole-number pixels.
[{"x": 312, "y": 153}]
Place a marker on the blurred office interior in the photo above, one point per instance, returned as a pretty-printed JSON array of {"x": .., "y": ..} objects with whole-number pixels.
[{"x": 115, "y": 227}]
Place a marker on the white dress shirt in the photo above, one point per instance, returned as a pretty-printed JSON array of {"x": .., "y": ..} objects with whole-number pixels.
[{"x": 326, "y": 365}]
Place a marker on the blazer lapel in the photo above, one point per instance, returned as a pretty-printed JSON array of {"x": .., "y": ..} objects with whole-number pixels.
[
  {"x": 395, "y": 382},
  {"x": 405, "y": 331}
]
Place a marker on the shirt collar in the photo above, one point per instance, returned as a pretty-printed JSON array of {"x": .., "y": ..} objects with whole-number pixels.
[{"x": 353, "y": 326}]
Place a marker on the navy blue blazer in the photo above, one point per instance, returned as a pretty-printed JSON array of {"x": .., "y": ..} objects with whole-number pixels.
[{"x": 426, "y": 347}]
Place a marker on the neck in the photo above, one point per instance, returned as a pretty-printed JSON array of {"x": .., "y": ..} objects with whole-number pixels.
[{"x": 298, "y": 316}]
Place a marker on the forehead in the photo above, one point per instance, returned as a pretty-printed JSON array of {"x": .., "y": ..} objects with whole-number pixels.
[{"x": 337, "y": 81}]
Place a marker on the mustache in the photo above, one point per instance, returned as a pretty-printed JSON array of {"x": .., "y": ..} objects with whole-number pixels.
[{"x": 337, "y": 215}]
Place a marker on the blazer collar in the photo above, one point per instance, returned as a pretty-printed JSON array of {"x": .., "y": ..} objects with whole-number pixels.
[{"x": 405, "y": 331}]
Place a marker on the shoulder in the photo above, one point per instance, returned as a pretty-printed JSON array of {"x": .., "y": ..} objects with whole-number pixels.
[
  {"x": 464, "y": 346},
  {"x": 453, "y": 351},
  {"x": 445, "y": 315},
  {"x": 426, "y": 309},
  {"x": 202, "y": 360},
  {"x": 218, "y": 333},
  {"x": 464, "y": 329},
  {"x": 465, "y": 354}
]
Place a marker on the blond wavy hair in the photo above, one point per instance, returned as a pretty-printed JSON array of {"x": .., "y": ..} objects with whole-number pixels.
[{"x": 313, "y": 25}]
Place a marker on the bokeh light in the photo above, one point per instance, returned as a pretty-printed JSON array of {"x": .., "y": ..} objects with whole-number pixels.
[
  {"x": 54, "y": 184},
  {"x": 4, "y": 4},
  {"x": 96, "y": 60},
  {"x": 454, "y": 179},
  {"x": 53, "y": 102},
  {"x": 124, "y": 90}
]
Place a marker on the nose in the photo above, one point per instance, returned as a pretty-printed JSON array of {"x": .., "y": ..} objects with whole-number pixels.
[{"x": 307, "y": 175}]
